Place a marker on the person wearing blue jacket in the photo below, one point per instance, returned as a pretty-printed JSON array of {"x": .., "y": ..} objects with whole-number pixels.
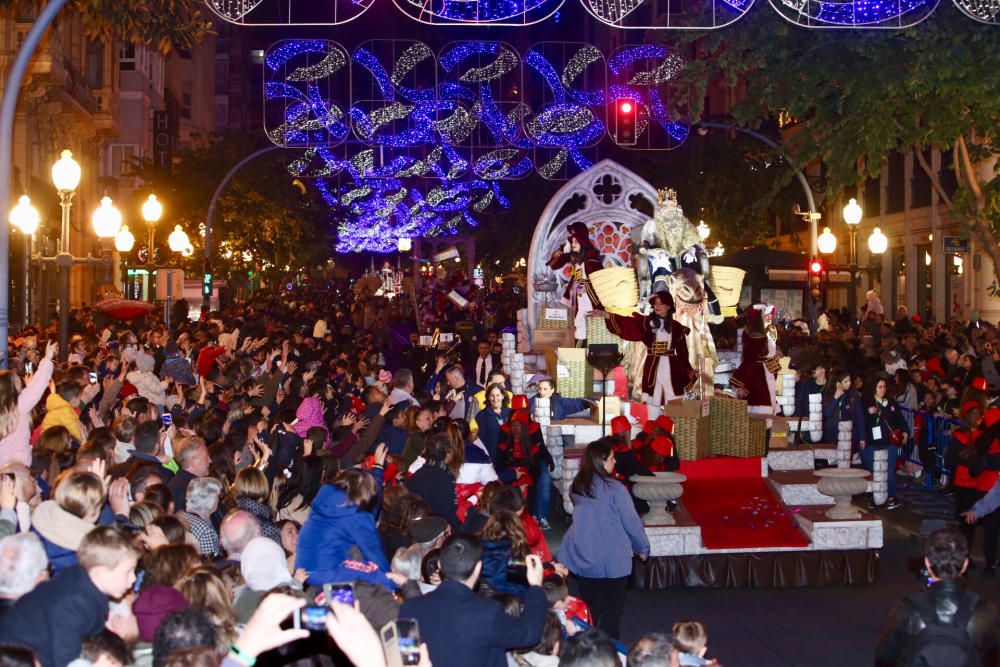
[
  {"x": 492, "y": 417},
  {"x": 341, "y": 524},
  {"x": 985, "y": 505},
  {"x": 560, "y": 407},
  {"x": 605, "y": 534},
  {"x": 841, "y": 402}
]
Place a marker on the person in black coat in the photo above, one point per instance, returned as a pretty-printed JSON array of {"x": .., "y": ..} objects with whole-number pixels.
[
  {"x": 463, "y": 629},
  {"x": 55, "y": 618},
  {"x": 945, "y": 603},
  {"x": 434, "y": 481}
]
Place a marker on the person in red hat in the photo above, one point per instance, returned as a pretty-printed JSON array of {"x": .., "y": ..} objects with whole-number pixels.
[
  {"x": 755, "y": 374},
  {"x": 584, "y": 259},
  {"x": 521, "y": 452},
  {"x": 667, "y": 371}
]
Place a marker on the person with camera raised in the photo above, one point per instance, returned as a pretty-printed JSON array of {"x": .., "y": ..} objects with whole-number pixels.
[{"x": 462, "y": 628}]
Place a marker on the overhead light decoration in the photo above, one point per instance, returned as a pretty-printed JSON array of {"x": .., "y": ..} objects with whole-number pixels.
[{"x": 469, "y": 130}]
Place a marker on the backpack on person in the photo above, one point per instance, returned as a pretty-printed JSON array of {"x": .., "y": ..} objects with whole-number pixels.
[{"x": 941, "y": 644}]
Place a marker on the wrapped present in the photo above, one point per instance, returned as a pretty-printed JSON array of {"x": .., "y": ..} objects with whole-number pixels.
[
  {"x": 551, "y": 316},
  {"x": 692, "y": 437},
  {"x": 606, "y": 409},
  {"x": 730, "y": 425},
  {"x": 598, "y": 332},
  {"x": 779, "y": 433},
  {"x": 638, "y": 412},
  {"x": 680, "y": 407},
  {"x": 574, "y": 376}
]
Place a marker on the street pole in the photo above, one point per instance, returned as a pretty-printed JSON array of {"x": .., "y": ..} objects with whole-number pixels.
[
  {"x": 852, "y": 292},
  {"x": 206, "y": 303},
  {"x": 8, "y": 110},
  {"x": 64, "y": 260},
  {"x": 803, "y": 181}
]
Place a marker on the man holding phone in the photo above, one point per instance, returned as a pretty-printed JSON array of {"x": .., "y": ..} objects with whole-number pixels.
[{"x": 461, "y": 628}]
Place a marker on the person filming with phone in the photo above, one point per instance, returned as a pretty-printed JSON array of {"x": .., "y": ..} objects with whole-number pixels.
[{"x": 461, "y": 628}]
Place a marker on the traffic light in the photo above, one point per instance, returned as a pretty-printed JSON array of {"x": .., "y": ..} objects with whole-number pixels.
[
  {"x": 815, "y": 278},
  {"x": 206, "y": 284},
  {"x": 625, "y": 113}
]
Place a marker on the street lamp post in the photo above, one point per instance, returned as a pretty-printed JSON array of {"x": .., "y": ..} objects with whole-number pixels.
[
  {"x": 107, "y": 221},
  {"x": 25, "y": 217},
  {"x": 152, "y": 211},
  {"x": 878, "y": 243},
  {"x": 852, "y": 216},
  {"x": 124, "y": 242}
]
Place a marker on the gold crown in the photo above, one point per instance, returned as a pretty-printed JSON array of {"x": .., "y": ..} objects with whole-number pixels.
[{"x": 666, "y": 196}]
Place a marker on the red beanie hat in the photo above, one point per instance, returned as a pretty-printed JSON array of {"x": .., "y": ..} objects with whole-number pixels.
[
  {"x": 980, "y": 383},
  {"x": 620, "y": 425},
  {"x": 662, "y": 445}
]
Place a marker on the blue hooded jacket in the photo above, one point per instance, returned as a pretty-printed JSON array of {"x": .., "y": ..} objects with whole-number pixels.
[{"x": 333, "y": 528}]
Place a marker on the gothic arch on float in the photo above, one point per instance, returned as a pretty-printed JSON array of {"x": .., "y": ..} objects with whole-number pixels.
[{"x": 611, "y": 200}]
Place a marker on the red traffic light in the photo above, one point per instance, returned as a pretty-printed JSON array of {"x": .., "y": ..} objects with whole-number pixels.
[
  {"x": 815, "y": 266},
  {"x": 625, "y": 106}
]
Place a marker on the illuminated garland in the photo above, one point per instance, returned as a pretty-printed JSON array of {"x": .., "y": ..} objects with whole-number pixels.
[
  {"x": 984, "y": 11},
  {"x": 467, "y": 131},
  {"x": 628, "y": 14},
  {"x": 856, "y": 13}
]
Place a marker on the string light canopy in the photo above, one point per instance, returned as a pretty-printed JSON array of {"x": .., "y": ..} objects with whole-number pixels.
[
  {"x": 626, "y": 14},
  {"x": 889, "y": 14},
  {"x": 984, "y": 11},
  {"x": 457, "y": 117}
]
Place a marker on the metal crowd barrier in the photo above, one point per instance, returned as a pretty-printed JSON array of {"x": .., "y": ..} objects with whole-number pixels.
[{"x": 928, "y": 444}]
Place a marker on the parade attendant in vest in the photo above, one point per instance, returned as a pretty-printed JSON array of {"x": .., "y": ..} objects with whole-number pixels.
[
  {"x": 965, "y": 483},
  {"x": 583, "y": 259},
  {"x": 755, "y": 374},
  {"x": 666, "y": 373}
]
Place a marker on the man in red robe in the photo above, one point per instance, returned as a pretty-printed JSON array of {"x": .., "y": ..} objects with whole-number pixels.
[{"x": 666, "y": 372}]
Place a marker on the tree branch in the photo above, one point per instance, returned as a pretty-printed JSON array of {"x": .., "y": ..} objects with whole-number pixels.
[
  {"x": 935, "y": 181},
  {"x": 971, "y": 174}
]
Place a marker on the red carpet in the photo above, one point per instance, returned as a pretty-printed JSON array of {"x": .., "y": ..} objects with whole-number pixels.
[{"x": 735, "y": 507}]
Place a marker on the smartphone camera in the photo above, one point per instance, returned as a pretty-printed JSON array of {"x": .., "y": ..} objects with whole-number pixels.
[
  {"x": 342, "y": 593},
  {"x": 517, "y": 571},
  {"x": 93, "y": 378},
  {"x": 311, "y": 618},
  {"x": 167, "y": 419},
  {"x": 401, "y": 642}
]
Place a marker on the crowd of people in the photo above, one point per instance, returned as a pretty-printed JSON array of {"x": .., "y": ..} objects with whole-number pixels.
[
  {"x": 185, "y": 496},
  {"x": 181, "y": 496}
]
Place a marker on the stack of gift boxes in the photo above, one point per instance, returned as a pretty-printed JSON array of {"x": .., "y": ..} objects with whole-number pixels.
[
  {"x": 845, "y": 430},
  {"x": 512, "y": 361}
]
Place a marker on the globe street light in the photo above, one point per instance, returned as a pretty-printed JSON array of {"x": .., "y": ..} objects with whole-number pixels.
[
  {"x": 178, "y": 240},
  {"x": 827, "y": 242},
  {"x": 152, "y": 211},
  {"x": 24, "y": 216},
  {"x": 124, "y": 240},
  {"x": 877, "y": 242},
  {"x": 107, "y": 220}
]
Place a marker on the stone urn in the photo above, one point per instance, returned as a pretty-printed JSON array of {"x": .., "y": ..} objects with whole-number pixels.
[
  {"x": 842, "y": 484},
  {"x": 658, "y": 490}
]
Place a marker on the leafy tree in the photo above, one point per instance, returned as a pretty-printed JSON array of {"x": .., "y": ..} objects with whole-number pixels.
[
  {"x": 264, "y": 222},
  {"x": 859, "y": 95},
  {"x": 167, "y": 24}
]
